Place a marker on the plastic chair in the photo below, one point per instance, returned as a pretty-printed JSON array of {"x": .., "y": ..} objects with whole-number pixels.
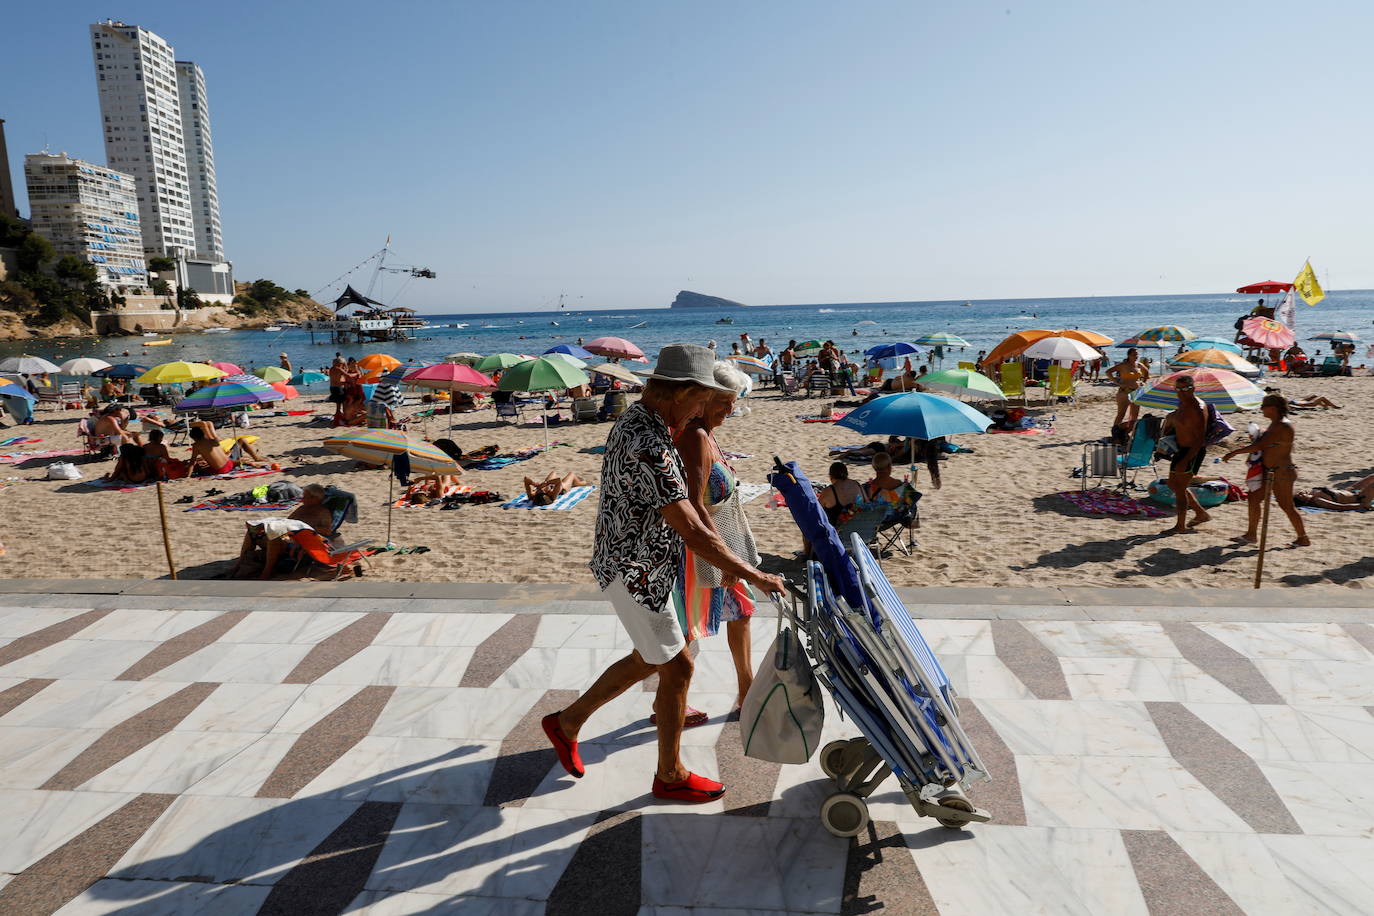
[
  {"x": 317, "y": 550},
  {"x": 1061, "y": 384},
  {"x": 1013, "y": 381},
  {"x": 1141, "y": 453}
]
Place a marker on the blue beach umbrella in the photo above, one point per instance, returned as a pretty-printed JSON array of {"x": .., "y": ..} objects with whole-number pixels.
[
  {"x": 915, "y": 415},
  {"x": 11, "y": 390},
  {"x": 307, "y": 377},
  {"x": 572, "y": 350},
  {"x": 893, "y": 350},
  {"x": 1214, "y": 343},
  {"x": 121, "y": 370}
]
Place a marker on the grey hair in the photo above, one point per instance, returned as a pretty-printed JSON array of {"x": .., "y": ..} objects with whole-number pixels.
[{"x": 728, "y": 375}]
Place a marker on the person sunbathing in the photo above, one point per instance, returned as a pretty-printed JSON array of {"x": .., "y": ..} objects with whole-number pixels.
[
  {"x": 1312, "y": 402},
  {"x": 131, "y": 466},
  {"x": 550, "y": 488},
  {"x": 1338, "y": 500},
  {"x": 311, "y": 511}
]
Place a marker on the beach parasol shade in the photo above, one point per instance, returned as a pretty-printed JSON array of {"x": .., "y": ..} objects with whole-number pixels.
[
  {"x": 542, "y": 374},
  {"x": 375, "y": 365},
  {"x": 1061, "y": 349},
  {"x": 916, "y": 415},
  {"x": 1016, "y": 344},
  {"x": 963, "y": 382},
  {"x": 571, "y": 350},
  {"x": 381, "y": 446},
  {"x": 1214, "y": 343},
  {"x": 566, "y": 359},
  {"x": 1166, "y": 332},
  {"x": 28, "y": 365},
  {"x": 893, "y": 350},
  {"x": 616, "y": 371},
  {"x": 1265, "y": 286},
  {"x": 498, "y": 361},
  {"x": 272, "y": 374},
  {"x": 84, "y": 365},
  {"x": 1337, "y": 337},
  {"x": 808, "y": 347},
  {"x": 11, "y": 390},
  {"x": 1266, "y": 332},
  {"x": 227, "y": 395},
  {"x": 178, "y": 372},
  {"x": 464, "y": 359},
  {"x": 288, "y": 393},
  {"x": 450, "y": 377},
  {"x": 1137, "y": 343},
  {"x": 227, "y": 368},
  {"x": 1221, "y": 388},
  {"x": 941, "y": 339},
  {"x": 1214, "y": 359},
  {"x": 616, "y": 347},
  {"x": 121, "y": 370},
  {"x": 307, "y": 377},
  {"x": 750, "y": 364},
  {"x": 387, "y": 390}
]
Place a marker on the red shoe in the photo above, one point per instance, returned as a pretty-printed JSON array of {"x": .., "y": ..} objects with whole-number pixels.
[
  {"x": 565, "y": 746},
  {"x": 692, "y": 789}
]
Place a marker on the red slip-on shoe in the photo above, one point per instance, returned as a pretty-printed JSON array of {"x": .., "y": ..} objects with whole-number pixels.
[
  {"x": 565, "y": 746},
  {"x": 692, "y": 789}
]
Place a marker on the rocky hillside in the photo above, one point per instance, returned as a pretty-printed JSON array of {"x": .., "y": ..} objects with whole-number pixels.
[{"x": 690, "y": 300}]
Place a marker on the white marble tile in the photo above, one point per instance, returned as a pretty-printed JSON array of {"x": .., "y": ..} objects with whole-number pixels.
[
  {"x": 1328, "y": 874},
  {"x": 36, "y": 823},
  {"x": 71, "y": 703},
  {"x": 1292, "y": 641},
  {"x": 958, "y": 637},
  {"x": 391, "y": 903},
  {"x": 409, "y": 666},
  {"x": 983, "y": 677},
  {"x": 620, "y": 777},
  {"x": 314, "y": 703},
  {"x": 1241, "y": 866},
  {"x": 454, "y": 712},
  {"x": 714, "y": 911},
  {"x": 171, "y": 763},
  {"x": 483, "y": 852},
  {"x": 423, "y": 629},
  {"x": 156, "y": 626},
  {"x": 1143, "y": 680},
  {"x": 236, "y": 662},
  {"x": 1316, "y": 681},
  {"x": 1103, "y": 639},
  {"x": 243, "y": 774},
  {"x": 166, "y": 898},
  {"x": 1085, "y": 728},
  {"x": 21, "y": 621},
  {"x": 999, "y": 869},
  {"x": 93, "y": 659},
  {"x": 242, "y": 708},
  {"x": 1129, "y": 793},
  {"x": 276, "y": 627},
  {"x": 742, "y": 862},
  {"x": 1270, "y": 732},
  {"x": 1352, "y": 724},
  {"x": 532, "y": 670},
  {"x": 253, "y": 840},
  {"x": 1326, "y": 798},
  {"x": 433, "y": 771},
  {"x": 29, "y": 756}
]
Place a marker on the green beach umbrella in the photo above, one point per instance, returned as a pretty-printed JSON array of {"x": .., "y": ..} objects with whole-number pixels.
[
  {"x": 498, "y": 361},
  {"x": 941, "y": 339},
  {"x": 542, "y": 374},
  {"x": 566, "y": 358},
  {"x": 961, "y": 382},
  {"x": 272, "y": 374}
]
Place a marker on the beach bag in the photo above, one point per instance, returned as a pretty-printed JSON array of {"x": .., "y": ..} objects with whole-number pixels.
[
  {"x": 63, "y": 470},
  {"x": 783, "y": 713},
  {"x": 1217, "y": 428},
  {"x": 735, "y": 532}
]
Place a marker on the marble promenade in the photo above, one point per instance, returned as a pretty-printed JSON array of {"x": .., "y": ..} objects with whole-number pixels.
[{"x": 374, "y": 748}]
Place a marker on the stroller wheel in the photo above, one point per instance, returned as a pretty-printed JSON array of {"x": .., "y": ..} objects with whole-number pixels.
[
  {"x": 832, "y": 758},
  {"x": 844, "y": 814},
  {"x": 958, "y": 803}
]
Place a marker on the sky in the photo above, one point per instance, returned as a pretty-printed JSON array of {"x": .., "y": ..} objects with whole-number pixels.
[{"x": 767, "y": 152}]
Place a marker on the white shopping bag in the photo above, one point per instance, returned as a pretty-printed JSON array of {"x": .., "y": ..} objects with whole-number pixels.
[
  {"x": 783, "y": 713},
  {"x": 63, "y": 470}
]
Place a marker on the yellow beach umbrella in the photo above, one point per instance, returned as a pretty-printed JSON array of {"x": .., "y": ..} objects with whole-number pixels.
[{"x": 178, "y": 373}]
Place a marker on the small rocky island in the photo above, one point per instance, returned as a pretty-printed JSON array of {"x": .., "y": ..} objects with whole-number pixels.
[{"x": 687, "y": 299}]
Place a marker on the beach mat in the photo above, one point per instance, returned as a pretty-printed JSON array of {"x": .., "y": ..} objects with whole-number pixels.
[
  {"x": 1019, "y": 432},
  {"x": 252, "y": 507},
  {"x": 21, "y": 457},
  {"x": 1337, "y": 511},
  {"x": 496, "y": 462},
  {"x": 1106, "y": 502},
  {"x": 566, "y": 501},
  {"x": 748, "y": 492},
  {"x": 18, "y": 440}
]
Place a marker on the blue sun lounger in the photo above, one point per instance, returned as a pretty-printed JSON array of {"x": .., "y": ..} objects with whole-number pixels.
[{"x": 880, "y": 672}]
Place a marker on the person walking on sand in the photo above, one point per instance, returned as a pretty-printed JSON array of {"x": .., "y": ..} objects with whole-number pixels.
[
  {"x": 1275, "y": 448},
  {"x": 1129, "y": 374},
  {"x": 646, "y": 516},
  {"x": 1188, "y": 423}
]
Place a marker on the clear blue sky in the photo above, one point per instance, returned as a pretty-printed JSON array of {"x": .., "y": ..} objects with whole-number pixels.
[{"x": 769, "y": 152}]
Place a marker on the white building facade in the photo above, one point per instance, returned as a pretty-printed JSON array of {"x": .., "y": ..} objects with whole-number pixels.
[
  {"x": 200, "y": 161},
  {"x": 90, "y": 211}
]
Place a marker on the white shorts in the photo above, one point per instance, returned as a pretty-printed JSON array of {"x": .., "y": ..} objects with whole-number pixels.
[{"x": 657, "y": 636}]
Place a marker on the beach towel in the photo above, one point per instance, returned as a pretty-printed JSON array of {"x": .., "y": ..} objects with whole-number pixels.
[
  {"x": 1300, "y": 509},
  {"x": 1107, "y": 502},
  {"x": 566, "y": 501},
  {"x": 751, "y": 491},
  {"x": 21, "y": 457},
  {"x": 496, "y": 462},
  {"x": 18, "y": 440},
  {"x": 833, "y": 417},
  {"x": 121, "y": 486},
  {"x": 729, "y": 456},
  {"x": 252, "y": 507},
  {"x": 1020, "y": 432}
]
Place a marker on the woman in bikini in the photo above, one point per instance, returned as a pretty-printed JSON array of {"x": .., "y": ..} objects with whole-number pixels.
[
  {"x": 544, "y": 492},
  {"x": 1338, "y": 500},
  {"x": 1275, "y": 448},
  {"x": 1129, "y": 374}
]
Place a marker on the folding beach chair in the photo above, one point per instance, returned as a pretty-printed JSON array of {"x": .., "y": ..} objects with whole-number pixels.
[
  {"x": 1013, "y": 381},
  {"x": 585, "y": 410},
  {"x": 1141, "y": 452},
  {"x": 317, "y": 550},
  {"x": 864, "y": 524},
  {"x": 899, "y": 521},
  {"x": 509, "y": 411},
  {"x": 1101, "y": 462},
  {"x": 819, "y": 381},
  {"x": 85, "y": 430},
  {"x": 1061, "y": 384},
  {"x": 788, "y": 383},
  {"x": 1330, "y": 366}
]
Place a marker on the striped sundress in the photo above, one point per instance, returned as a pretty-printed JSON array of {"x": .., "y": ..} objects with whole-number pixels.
[{"x": 700, "y": 608}]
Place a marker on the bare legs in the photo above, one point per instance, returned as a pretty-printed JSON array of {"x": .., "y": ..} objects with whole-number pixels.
[
  {"x": 1283, "y": 480},
  {"x": 737, "y": 635},
  {"x": 1183, "y": 501}
]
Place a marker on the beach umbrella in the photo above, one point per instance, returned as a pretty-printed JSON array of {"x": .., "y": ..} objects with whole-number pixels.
[
  {"x": 1214, "y": 343},
  {"x": 808, "y": 347},
  {"x": 1166, "y": 332},
  {"x": 961, "y": 382},
  {"x": 178, "y": 372},
  {"x": 1337, "y": 337},
  {"x": 542, "y": 374},
  {"x": 121, "y": 370},
  {"x": 28, "y": 365},
  {"x": 1265, "y": 286},
  {"x": 288, "y": 392},
  {"x": 566, "y": 359},
  {"x": 387, "y": 389},
  {"x": 1266, "y": 332},
  {"x": 375, "y": 365},
  {"x": 893, "y": 350},
  {"x": 915, "y": 415},
  {"x": 1221, "y": 388},
  {"x": 1015, "y": 344},
  {"x": 13, "y": 390},
  {"x": 381, "y": 446},
  {"x": 750, "y": 364},
  {"x": 1061, "y": 349},
  {"x": 616, "y": 371},
  {"x": 464, "y": 359},
  {"x": 941, "y": 339},
  {"x": 571, "y": 350},
  {"x": 84, "y": 365},
  {"x": 614, "y": 347},
  {"x": 307, "y": 377},
  {"x": 272, "y": 374},
  {"x": 450, "y": 377},
  {"x": 227, "y": 395},
  {"x": 227, "y": 368},
  {"x": 1214, "y": 359},
  {"x": 1138, "y": 344},
  {"x": 498, "y": 361}
]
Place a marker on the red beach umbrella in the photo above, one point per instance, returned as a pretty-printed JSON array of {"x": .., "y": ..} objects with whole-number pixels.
[
  {"x": 1265, "y": 286},
  {"x": 287, "y": 391},
  {"x": 450, "y": 377},
  {"x": 615, "y": 347},
  {"x": 227, "y": 368},
  {"x": 1266, "y": 332}
]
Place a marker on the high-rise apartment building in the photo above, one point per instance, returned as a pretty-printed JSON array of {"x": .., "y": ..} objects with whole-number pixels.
[
  {"x": 200, "y": 160},
  {"x": 90, "y": 211}
]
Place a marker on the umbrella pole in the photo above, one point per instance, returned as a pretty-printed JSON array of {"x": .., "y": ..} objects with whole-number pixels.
[
  {"x": 1264, "y": 526},
  {"x": 166, "y": 537},
  {"x": 546, "y": 432},
  {"x": 390, "y": 502}
]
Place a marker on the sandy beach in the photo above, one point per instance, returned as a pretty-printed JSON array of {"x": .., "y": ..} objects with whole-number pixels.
[{"x": 995, "y": 522}]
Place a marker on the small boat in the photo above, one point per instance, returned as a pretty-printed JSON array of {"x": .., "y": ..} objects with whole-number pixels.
[
  {"x": 217, "y": 330},
  {"x": 642, "y": 324},
  {"x": 554, "y": 323},
  {"x": 157, "y": 343},
  {"x": 149, "y": 333},
  {"x": 725, "y": 321},
  {"x": 272, "y": 327},
  {"x": 968, "y": 305},
  {"x": 461, "y": 324}
]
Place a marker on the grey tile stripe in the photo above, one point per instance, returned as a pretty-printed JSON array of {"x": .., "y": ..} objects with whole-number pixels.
[
  {"x": 1226, "y": 771},
  {"x": 59, "y": 877},
  {"x": 13, "y": 696},
  {"x": 526, "y": 756},
  {"x": 325, "y": 742},
  {"x": 129, "y": 736},
  {"x": 605, "y": 873},
  {"x": 1030, "y": 660},
  {"x": 751, "y": 783},
  {"x": 182, "y": 645},
  {"x": 48, "y": 636},
  {"x": 1170, "y": 880},
  {"x": 881, "y": 875},
  {"x": 500, "y": 650},
  {"x": 1236, "y": 672},
  {"x": 1363, "y": 633},
  {"x": 326, "y": 881},
  {"x": 1001, "y": 795},
  {"x": 332, "y": 651}
]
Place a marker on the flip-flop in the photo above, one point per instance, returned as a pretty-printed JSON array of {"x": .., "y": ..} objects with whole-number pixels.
[{"x": 694, "y": 718}]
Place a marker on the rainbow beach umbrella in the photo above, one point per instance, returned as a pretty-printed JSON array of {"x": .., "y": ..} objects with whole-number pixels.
[
  {"x": 228, "y": 395},
  {"x": 1214, "y": 359},
  {"x": 750, "y": 364},
  {"x": 1221, "y": 388},
  {"x": 381, "y": 446},
  {"x": 1166, "y": 332}
]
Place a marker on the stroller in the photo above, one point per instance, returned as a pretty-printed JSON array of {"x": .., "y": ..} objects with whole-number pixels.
[{"x": 881, "y": 674}]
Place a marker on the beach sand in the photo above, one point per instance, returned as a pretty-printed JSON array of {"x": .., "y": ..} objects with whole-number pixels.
[{"x": 995, "y": 522}]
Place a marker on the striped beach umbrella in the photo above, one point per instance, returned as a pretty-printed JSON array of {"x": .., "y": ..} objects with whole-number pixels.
[
  {"x": 388, "y": 388},
  {"x": 380, "y": 446},
  {"x": 1337, "y": 337},
  {"x": 1138, "y": 344},
  {"x": 227, "y": 395},
  {"x": 1221, "y": 388},
  {"x": 750, "y": 364},
  {"x": 941, "y": 339},
  {"x": 1166, "y": 332},
  {"x": 1214, "y": 359},
  {"x": 1266, "y": 332}
]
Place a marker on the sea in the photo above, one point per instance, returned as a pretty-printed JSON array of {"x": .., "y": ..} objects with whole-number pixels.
[{"x": 853, "y": 326}]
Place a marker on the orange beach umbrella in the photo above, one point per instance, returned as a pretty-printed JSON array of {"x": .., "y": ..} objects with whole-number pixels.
[
  {"x": 1017, "y": 343},
  {"x": 375, "y": 365}
]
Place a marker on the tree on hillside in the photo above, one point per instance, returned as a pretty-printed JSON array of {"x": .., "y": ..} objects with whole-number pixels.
[
  {"x": 161, "y": 265},
  {"x": 34, "y": 252},
  {"x": 75, "y": 271},
  {"x": 262, "y": 296}
]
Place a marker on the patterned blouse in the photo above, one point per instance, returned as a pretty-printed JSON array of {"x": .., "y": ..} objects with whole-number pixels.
[{"x": 641, "y": 473}]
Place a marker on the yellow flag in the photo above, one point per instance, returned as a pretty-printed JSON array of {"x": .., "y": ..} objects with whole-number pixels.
[{"x": 1307, "y": 286}]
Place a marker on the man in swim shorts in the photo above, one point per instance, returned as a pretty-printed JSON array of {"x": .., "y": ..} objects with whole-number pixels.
[{"x": 1188, "y": 423}]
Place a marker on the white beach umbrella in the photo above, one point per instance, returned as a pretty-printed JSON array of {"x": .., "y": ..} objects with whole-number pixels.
[
  {"x": 1061, "y": 349},
  {"x": 84, "y": 365},
  {"x": 28, "y": 365}
]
